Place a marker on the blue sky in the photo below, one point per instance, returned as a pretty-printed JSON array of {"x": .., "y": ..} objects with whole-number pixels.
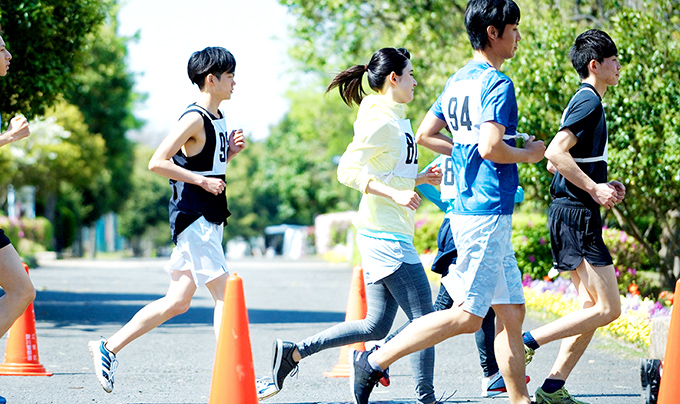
[{"x": 255, "y": 31}]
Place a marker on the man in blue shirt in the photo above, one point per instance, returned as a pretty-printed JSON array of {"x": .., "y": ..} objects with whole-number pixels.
[{"x": 478, "y": 105}]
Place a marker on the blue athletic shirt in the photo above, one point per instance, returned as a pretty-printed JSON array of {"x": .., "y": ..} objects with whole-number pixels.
[{"x": 478, "y": 93}]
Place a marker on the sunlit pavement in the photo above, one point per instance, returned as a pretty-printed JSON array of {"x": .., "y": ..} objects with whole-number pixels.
[{"x": 79, "y": 300}]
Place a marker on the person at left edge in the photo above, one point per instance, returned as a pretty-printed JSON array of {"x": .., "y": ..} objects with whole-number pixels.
[{"x": 14, "y": 280}]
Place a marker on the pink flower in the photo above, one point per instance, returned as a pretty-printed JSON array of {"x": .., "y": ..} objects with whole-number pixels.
[
  {"x": 532, "y": 258},
  {"x": 623, "y": 236},
  {"x": 632, "y": 271},
  {"x": 542, "y": 241},
  {"x": 616, "y": 272}
]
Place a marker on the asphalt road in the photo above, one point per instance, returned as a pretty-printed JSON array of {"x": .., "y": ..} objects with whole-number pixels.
[{"x": 80, "y": 300}]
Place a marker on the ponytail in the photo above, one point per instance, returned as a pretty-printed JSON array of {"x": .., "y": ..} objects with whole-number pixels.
[
  {"x": 349, "y": 85},
  {"x": 383, "y": 62}
]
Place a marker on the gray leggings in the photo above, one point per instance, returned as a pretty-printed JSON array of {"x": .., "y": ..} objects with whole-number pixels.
[{"x": 407, "y": 288}]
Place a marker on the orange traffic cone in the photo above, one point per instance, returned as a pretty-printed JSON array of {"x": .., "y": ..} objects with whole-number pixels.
[
  {"x": 669, "y": 390},
  {"x": 21, "y": 352},
  {"x": 356, "y": 310},
  {"x": 234, "y": 375}
]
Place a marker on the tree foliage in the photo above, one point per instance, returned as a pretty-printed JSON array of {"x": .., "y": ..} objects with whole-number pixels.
[
  {"x": 48, "y": 40},
  {"x": 103, "y": 91},
  {"x": 146, "y": 213},
  {"x": 643, "y": 110},
  {"x": 290, "y": 177}
]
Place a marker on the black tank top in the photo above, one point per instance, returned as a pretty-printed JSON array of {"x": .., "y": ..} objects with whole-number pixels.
[{"x": 189, "y": 202}]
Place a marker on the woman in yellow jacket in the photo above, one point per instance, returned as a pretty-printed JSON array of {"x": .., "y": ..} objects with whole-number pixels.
[{"x": 382, "y": 163}]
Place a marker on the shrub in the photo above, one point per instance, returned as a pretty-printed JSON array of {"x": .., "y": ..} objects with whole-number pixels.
[
  {"x": 531, "y": 241},
  {"x": 630, "y": 263},
  {"x": 28, "y": 236},
  {"x": 426, "y": 230}
]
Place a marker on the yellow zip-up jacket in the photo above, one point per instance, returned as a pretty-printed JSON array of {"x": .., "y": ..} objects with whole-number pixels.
[{"x": 375, "y": 150}]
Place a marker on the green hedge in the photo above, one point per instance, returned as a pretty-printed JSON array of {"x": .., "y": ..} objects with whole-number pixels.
[{"x": 29, "y": 236}]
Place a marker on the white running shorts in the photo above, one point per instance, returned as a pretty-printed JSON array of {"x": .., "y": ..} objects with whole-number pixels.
[
  {"x": 486, "y": 271},
  {"x": 199, "y": 250}
]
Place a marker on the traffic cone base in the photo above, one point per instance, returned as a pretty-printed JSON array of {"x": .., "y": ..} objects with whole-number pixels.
[
  {"x": 28, "y": 369},
  {"x": 21, "y": 353},
  {"x": 356, "y": 310}
]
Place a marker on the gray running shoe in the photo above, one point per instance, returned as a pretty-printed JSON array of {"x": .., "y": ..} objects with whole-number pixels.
[
  {"x": 283, "y": 363},
  {"x": 362, "y": 377}
]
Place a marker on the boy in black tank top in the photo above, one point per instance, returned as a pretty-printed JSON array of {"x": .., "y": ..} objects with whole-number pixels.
[
  {"x": 193, "y": 157},
  {"x": 577, "y": 156}
]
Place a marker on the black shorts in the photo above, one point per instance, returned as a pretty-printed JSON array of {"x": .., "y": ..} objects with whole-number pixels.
[
  {"x": 575, "y": 235},
  {"x": 4, "y": 240}
]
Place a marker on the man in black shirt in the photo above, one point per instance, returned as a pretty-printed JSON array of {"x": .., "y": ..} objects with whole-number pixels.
[{"x": 577, "y": 156}]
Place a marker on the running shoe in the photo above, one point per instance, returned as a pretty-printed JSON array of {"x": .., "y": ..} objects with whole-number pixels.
[
  {"x": 494, "y": 385},
  {"x": 362, "y": 377},
  {"x": 528, "y": 355},
  {"x": 105, "y": 363},
  {"x": 283, "y": 363},
  {"x": 650, "y": 376},
  {"x": 561, "y": 396},
  {"x": 265, "y": 388}
]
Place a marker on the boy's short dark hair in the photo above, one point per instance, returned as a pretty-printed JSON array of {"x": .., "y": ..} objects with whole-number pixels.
[
  {"x": 211, "y": 60},
  {"x": 480, "y": 14},
  {"x": 591, "y": 45}
]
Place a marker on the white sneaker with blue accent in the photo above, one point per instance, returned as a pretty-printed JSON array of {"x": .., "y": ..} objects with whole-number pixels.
[
  {"x": 265, "y": 388},
  {"x": 105, "y": 363}
]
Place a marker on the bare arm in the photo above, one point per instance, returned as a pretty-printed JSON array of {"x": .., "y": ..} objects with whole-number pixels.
[
  {"x": 161, "y": 162},
  {"x": 407, "y": 198},
  {"x": 429, "y": 135},
  {"x": 492, "y": 147},
  {"x": 433, "y": 176},
  {"x": 558, "y": 155},
  {"x": 17, "y": 130}
]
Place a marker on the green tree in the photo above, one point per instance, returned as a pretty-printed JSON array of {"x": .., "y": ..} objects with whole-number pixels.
[
  {"x": 643, "y": 111},
  {"x": 59, "y": 156},
  {"x": 48, "y": 41},
  {"x": 103, "y": 91},
  {"x": 291, "y": 176},
  {"x": 145, "y": 216}
]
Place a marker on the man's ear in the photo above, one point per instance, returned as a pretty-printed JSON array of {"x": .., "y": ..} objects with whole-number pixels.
[
  {"x": 593, "y": 66},
  {"x": 210, "y": 79},
  {"x": 491, "y": 33}
]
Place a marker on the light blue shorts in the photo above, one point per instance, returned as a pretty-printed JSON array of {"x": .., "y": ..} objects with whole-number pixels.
[
  {"x": 381, "y": 257},
  {"x": 486, "y": 271}
]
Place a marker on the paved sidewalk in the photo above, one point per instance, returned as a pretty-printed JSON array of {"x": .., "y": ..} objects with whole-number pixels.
[{"x": 79, "y": 300}]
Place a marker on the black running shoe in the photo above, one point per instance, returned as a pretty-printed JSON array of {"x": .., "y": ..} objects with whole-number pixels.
[
  {"x": 650, "y": 378},
  {"x": 362, "y": 377},
  {"x": 283, "y": 363}
]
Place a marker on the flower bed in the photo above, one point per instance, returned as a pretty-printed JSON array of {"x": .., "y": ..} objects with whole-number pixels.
[{"x": 558, "y": 297}]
